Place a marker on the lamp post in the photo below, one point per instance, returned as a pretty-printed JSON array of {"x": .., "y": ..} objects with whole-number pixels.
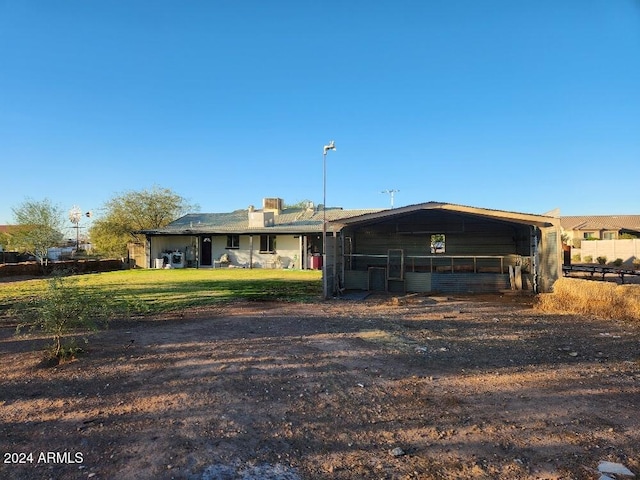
[{"x": 331, "y": 146}]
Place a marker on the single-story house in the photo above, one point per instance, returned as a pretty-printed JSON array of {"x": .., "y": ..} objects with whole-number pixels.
[
  {"x": 271, "y": 237},
  {"x": 598, "y": 227},
  {"x": 428, "y": 247}
]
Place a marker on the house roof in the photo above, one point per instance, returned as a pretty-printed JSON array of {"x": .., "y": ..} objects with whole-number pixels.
[
  {"x": 309, "y": 220},
  {"x": 289, "y": 220},
  {"x": 601, "y": 222},
  {"x": 514, "y": 217}
]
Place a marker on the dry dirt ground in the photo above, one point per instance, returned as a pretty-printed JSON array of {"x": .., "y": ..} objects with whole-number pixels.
[{"x": 416, "y": 387}]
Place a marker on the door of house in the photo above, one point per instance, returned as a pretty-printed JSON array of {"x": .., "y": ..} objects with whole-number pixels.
[{"x": 205, "y": 252}]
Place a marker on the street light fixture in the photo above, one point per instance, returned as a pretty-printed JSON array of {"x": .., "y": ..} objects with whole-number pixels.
[{"x": 331, "y": 146}]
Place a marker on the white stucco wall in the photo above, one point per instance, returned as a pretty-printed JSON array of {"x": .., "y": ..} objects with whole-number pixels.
[
  {"x": 287, "y": 249},
  {"x": 628, "y": 250}
]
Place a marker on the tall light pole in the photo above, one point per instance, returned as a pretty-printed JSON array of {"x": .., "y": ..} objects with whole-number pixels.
[
  {"x": 331, "y": 146},
  {"x": 391, "y": 193}
]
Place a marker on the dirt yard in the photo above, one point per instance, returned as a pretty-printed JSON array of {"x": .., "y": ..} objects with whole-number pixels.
[{"x": 416, "y": 387}]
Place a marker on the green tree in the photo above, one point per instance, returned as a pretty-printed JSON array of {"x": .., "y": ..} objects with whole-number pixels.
[
  {"x": 39, "y": 226},
  {"x": 132, "y": 211},
  {"x": 5, "y": 241}
]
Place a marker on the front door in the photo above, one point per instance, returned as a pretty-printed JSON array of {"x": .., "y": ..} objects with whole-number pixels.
[{"x": 205, "y": 252}]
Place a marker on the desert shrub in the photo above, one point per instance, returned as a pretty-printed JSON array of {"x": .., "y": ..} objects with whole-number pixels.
[
  {"x": 575, "y": 257},
  {"x": 618, "y": 262},
  {"x": 601, "y": 260},
  {"x": 636, "y": 263},
  {"x": 588, "y": 259},
  {"x": 587, "y": 297},
  {"x": 63, "y": 309}
]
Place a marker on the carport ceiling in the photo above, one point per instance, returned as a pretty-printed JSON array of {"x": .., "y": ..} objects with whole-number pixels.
[{"x": 431, "y": 222}]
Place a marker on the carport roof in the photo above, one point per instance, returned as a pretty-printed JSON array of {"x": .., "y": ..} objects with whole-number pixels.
[{"x": 501, "y": 215}]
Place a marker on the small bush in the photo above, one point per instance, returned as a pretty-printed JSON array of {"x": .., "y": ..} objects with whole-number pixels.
[
  {"x": 63, "y": 309},
  {"x": 601, "y": 260},
  {"x": 618, "y": 262},
  {"x": 588, "y": 259},
  {"x": 575, "y": 258}
]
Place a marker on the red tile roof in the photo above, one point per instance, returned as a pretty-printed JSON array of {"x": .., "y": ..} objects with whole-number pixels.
[{"x": 601, "y": 222}]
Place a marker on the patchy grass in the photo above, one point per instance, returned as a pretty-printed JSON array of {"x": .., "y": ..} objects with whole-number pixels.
[
  {"x": 155, "y": 291},
  {"x": 588, "y": 297}
]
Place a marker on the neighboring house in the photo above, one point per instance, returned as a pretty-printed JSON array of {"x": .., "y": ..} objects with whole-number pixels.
[
  {"x": 419, "y": 248},
  {"x": 598, "y": 227}
]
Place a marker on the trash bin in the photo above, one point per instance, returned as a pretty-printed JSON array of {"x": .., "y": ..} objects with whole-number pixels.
[{"x": 316, "y": 262}]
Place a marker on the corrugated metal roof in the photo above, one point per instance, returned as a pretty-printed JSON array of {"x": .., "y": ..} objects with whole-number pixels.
[
  {"x": 601, "y": 222},
  {"x": 515, "y": 217},
  {"x": 290, "y": 220}
]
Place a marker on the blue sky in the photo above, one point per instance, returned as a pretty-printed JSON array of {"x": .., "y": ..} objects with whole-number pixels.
[{"x": 523, "y": 106}]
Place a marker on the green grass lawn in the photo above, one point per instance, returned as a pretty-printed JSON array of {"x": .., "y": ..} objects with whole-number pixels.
[{"x": 154, "y": 291}]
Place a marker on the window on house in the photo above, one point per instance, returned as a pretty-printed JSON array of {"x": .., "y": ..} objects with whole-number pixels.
[
  {"x": 437, "y": 243},
  {"x": 609, "y": 236},
  {"x": 267, "y": 243},
  {"x": 233, "y": 241},
  {"x": 588, "y": 235}
]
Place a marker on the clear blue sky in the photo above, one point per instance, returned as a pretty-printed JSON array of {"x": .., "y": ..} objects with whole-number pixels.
[{"x": 515, "y": 105}]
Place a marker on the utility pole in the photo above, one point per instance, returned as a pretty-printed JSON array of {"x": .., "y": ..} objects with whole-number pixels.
[{"x": 391, "y": 194}]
